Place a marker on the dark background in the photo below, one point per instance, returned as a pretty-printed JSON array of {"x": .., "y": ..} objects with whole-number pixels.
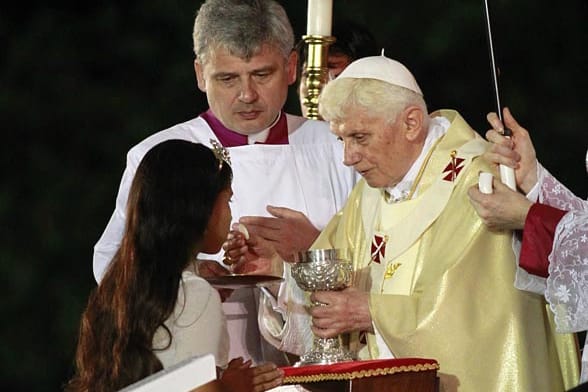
[{"x": 81, "y": 83}]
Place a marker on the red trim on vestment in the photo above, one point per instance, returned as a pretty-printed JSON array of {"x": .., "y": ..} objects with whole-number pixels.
[
  {"x": 538, "y": 236},
  {"x": 278, "y": 134},
  {"x": 356, "y": 369}
]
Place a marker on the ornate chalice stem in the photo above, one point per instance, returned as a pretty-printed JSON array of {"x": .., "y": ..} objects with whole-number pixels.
[{"x": 323, "y": 270}]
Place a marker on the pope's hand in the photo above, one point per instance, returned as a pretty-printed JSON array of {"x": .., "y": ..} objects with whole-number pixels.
[
  {"x": 340, "y": 312},
  {"x": 253, "y": 255},
  {"x": 504, "y": 209},
  {"x": 289, "y": 231},
  {"x": 516, "y": 152}
]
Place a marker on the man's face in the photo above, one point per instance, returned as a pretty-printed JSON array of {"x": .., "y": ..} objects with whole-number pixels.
[
  {"x": 376, "y": 149},
  {"x": 246, "y": 96},
  {"x": 337, "y": 62}
]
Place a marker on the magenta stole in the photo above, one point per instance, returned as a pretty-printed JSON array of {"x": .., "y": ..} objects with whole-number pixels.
[{"x": 278, "y": 134}]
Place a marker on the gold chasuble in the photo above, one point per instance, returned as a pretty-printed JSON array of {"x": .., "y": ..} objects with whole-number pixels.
[{"x": 442, "y": 284}]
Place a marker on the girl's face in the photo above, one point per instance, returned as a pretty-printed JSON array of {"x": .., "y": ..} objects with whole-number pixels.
[{"x": 219, "y": 223}]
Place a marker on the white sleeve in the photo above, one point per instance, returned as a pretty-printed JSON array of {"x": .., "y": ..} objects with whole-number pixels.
[
  {"x": 524, "y": 280},
  {"x": 111, "y": 238},
  {"x": 284, "y": 321},
  {"x": 533, "y": 194},
  {"x": 567, "y": 283},
  {"x": 555, "y": 194},
  {"x": 202, "y": 324},
  {"x": 198, "y": 325}
]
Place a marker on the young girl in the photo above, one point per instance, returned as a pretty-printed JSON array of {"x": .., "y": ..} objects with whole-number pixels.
[{"x": 151, "y": 311}]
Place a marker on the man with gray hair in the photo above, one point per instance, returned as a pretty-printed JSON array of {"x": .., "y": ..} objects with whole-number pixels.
[
  {"x": 285, "y": 167},
  {"x": 430, "y": 279}
]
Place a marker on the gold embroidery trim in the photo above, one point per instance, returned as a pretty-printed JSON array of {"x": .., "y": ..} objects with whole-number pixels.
[
  {"x": 360, "y": 373},
  {"x": 419, "y": 175},
  {"x": 391, "y": 269}
]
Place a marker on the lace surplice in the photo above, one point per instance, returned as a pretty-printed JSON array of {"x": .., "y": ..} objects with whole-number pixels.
[
  {"x": 566, "y": 287},
  {"x": 567, "y": 284}
]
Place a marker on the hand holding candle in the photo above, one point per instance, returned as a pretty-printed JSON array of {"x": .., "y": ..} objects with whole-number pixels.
[{"x": 319, "y": 17}]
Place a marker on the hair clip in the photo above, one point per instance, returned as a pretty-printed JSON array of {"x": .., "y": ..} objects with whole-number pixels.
[{"x": 221, "y": 153}]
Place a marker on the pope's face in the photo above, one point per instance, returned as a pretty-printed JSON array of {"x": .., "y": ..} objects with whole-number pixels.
[
  {"x": 246, "y": 96},
  {"x": 376, "y": 149}
]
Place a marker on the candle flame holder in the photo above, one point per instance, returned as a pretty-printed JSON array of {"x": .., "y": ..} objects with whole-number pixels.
[{"x": 316, "y": 71}]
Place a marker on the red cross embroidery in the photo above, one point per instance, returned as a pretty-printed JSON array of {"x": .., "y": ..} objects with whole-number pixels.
[
  {"x": 453, "y": 168},
  {"x": 378, "y": 248}
]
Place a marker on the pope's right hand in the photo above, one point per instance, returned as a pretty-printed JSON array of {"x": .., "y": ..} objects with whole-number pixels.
[{"x": 253, "y": 255}]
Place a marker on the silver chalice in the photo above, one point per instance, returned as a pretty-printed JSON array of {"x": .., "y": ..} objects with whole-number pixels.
[{"x": 323, "y": 270}]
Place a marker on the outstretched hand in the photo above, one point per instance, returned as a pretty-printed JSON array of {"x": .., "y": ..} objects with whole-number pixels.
[
  {"x": 289, "y": 231},
  {"x": 516, "y": 151},
  {"x": 253, "y": 255}
]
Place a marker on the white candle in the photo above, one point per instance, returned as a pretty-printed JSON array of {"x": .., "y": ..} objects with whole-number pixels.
[{"x": 319, "y": 18}]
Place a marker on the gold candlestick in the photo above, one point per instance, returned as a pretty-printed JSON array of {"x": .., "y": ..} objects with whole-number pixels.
[{"x": 316, "y": 71}]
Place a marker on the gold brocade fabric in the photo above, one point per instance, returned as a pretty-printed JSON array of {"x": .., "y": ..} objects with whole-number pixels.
[{"x": 453, "y": 299}]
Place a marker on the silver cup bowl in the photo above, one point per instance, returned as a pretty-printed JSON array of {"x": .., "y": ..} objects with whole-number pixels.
[{"x": 323, "y": 270}]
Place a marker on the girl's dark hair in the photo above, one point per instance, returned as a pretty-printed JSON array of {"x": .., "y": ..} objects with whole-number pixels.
[{"x": 169, "y": 206}]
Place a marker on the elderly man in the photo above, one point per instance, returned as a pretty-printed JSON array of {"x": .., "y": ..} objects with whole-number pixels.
[
  {"x": 245, "y": 63},
  {"x": 431, "y": 279}
]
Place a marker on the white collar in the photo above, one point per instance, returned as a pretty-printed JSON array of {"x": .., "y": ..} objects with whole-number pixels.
[
  {"x": 261, "y": 136},
  {"x": 437, "y": 128}
]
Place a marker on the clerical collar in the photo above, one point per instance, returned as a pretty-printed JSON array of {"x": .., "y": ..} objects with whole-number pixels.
[
  {"x": 404, "y": 189},
  {"x": 277, "y": 133}
]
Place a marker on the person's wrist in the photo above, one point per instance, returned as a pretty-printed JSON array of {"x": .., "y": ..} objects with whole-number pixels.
[
  {"x": 524, "y": 212},
  {"x": 528, "y": 184},
  {"x": 529, "y": 181},
  {"x": 277, "y": 265}
]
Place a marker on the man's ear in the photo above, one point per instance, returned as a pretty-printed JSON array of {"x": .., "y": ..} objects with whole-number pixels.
[
  {"x": 291, "y": 67},
  {"x": 199, "y": 76},
  {"x": 414, "y": 121}
]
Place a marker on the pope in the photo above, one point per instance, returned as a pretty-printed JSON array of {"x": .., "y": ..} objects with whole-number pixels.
[{"x": 431, "y": 280}]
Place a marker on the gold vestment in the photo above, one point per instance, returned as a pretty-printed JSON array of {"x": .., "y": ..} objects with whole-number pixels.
[{"x": 442, "y": 284}]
